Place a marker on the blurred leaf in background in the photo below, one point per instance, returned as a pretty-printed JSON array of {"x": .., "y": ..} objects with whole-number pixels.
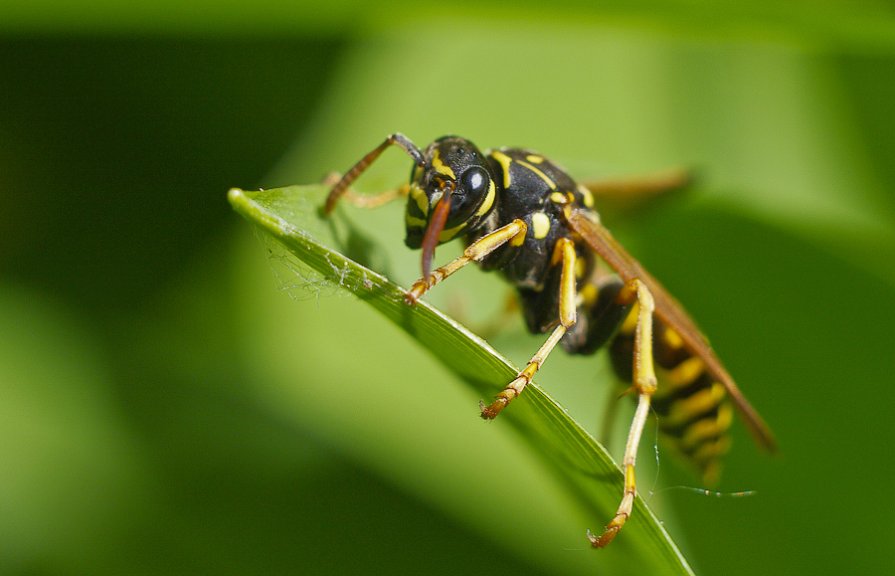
[{"x": 168, "y": 408}]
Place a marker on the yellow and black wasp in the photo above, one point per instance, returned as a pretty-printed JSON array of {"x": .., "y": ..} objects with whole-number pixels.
[{"x": 522, "y": 215}]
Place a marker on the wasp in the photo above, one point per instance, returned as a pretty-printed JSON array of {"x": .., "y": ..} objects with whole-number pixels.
[{"x": 525, "y": 217}]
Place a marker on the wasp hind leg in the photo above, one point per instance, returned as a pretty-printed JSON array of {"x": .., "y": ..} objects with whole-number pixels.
[
  {"x": 644, "y": 383},
  {"x": 564, "y": 255}
]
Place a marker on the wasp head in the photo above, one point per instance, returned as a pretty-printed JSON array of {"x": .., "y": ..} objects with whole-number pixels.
[{"x": 451, "y": 193}]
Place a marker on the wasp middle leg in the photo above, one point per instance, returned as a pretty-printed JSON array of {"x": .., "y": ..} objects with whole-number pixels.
[{"x": 565, "y": 256}]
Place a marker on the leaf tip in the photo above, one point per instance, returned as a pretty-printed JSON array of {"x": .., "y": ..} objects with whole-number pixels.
[{"x": 235, "y": 195}]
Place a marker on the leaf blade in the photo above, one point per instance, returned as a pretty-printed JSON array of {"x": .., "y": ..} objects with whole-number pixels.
[{"x": 588, "y": 473}]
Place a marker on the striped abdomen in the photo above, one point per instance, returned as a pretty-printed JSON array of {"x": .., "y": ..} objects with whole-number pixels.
[{"x": 695, "y": 412}]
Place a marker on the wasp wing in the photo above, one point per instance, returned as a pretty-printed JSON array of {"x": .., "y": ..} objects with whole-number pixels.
[
  {"x": 669, "y": 311},
  {"x": 626, "y": 195}
]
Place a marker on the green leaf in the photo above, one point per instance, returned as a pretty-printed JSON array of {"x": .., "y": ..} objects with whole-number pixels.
[{"x": 582, "y": 467}]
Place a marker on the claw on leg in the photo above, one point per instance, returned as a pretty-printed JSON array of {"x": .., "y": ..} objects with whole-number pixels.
[
  {"x": 609, "y": 532},
  {"x": 416, "y": 292},
  {"x": 505, "y": 396}
]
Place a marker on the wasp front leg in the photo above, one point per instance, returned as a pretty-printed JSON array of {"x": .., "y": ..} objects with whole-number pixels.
[
  {"x": 376, "y": 200},
  {"x": 514, "y": 233},
  {"x": 564, "y": 255},
  {"x": 366, "y": 200},
  {"x": 644, "y": 381},
  {"x": 341, "y": 185}
]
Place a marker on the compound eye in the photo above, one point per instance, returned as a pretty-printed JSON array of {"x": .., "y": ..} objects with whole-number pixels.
[{"x": 475, "y": 181}]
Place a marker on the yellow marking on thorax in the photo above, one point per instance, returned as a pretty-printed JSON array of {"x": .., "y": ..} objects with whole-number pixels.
[
  {"x": 538, "y": 173},
  {"x": 534, "y": 158},
  {"x": 418, "y": 196},
  {"x": 540, "y": 225},
  {"x": 489, "y": 199},
  {"x": 440, "y": 166},
  {"x": 559, "y": 198},
  {"x": 414, "y": 222},
  {"x": 504, "y": 162},
  {"x": 586, "y": 196}
]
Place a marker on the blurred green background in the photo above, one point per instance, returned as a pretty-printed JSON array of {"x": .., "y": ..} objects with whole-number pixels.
[{"x": 175, "y": 398}]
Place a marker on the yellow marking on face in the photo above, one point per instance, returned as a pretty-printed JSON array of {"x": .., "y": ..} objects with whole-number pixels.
[
  {"x": 538, "y": 173},
  {"x": 672, "y": 339},
  {"x": 540, "y": 225},
  {"x": 489, "y": 199},
  {"x": 422, "y": 201},
  {"x": 504, "y": 162},
  {"x": 449, "y": 233},
  {"x": 414, "y": 222},
  {"x": 586, "y": 196},
  {"x": 534, "y": 158},
  {"x": 441, "y": 167}
]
